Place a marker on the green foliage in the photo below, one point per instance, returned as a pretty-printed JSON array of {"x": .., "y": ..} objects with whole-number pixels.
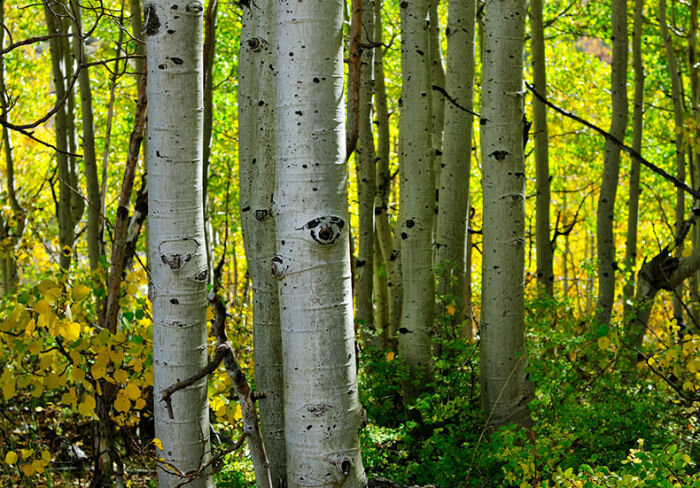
[{"x": 594, "y": 426}]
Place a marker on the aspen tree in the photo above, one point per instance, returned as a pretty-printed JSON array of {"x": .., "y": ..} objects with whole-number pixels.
[
  {"x": 416, "y": 198},
  {"x": 177, "y": 252},
  {"x": 456, "y": 158},
  {"x": 635, "y": 170},
  {"x": 611, "y": 165},
  {"x": 505, "y": 389},
  {"x": 545, "y": 265},
  {"x": 256, "y": 101},
  {"x": 322, "y": 410}
]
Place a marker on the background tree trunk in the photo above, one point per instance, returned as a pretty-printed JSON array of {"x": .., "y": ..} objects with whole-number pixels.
[
  {"x": 256, "y": 101},
  {"x": 505, "y": 389},
  {"x": 611, "y": 165},
  {"x": 416, "y": 199}
]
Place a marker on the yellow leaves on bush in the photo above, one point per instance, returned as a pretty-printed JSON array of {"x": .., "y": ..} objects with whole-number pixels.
[
  {"x": 53, "y": 381},
  {"x": 694, "y": 365},
  {"x": 122, "y": 402},
  {"x": 237, "y": 412},
  {"x": 87, "y": 406},
  {"x": 132, "y": 391},
  {"x": 79, "y": 293},
  {"x": 390, "y": 356},
  {"x": 451, "y": 310},
  {"x": 77, "y": 374},
  {"x": 11, "y": 457},
  {"x": 604, "y": 343},
  {"x": 42, "y": 307},
  {"x": 120, "y": 376},
  {"x": 98, "y": 371},
  {"x": 8, "y": 388},
  {"x": 158, "y": 443},
  {"x": 70, "y": 331},
  {"x": 69, "y": 397}
]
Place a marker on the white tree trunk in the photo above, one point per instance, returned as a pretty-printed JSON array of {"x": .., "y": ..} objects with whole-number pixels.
[
  {"x": 505, "y": 390},
  {"x": 417, "y": 197},
  {"x": 611, "y": 165},
  {"x": 322, "y": 411},
  {"x": 256, "y": 100},
  {"x": 456, "y": 158},
  {"x": 176, "y": 230}
]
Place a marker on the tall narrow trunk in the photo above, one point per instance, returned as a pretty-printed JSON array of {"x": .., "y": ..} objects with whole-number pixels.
[
  {"x": 695, "y": 100},
  {"x": 675, "y": 77},
  {"x": 611, "y": 165},
  {"x": 505, "y": 389},
  {"x": 416, "y": 199},
  {"x": 545, "y": 260},
  {"x": 366, "y": 174},
  {"x": 385, "y": 238},
  {"x": 88, "y": 139},
  {"x": 179, "y": 271},
  {"x": 256, "y": 101},
  {"x": 322, "y": 410},
  {"x": 210, "y": 20},
  {"x": 437, "y": 78},
  {"x": 453, "y": 215},
  {"x": 66, "y": 231},
  {"x": 8, "y": 265},
  {"x": 637, "y": 131}
]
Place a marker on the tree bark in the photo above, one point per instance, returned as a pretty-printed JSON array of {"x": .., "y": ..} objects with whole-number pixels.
[
  {"x": 322, "y": 410},
  {"x": 545, "y": 260},
  {"x": 611, "y": 165},
  {"x": 505, "y": 389},
  {"x": 256, "y": 101},
  {"x": 179, "y": 271},
  {"x": 453, "y": 215},
  {"x": 635, "y": 169},
  {"x": 366, "y": 174},
  {"x": 416, "y": 199}
]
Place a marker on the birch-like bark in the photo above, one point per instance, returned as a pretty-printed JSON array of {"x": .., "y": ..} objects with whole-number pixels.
[
  {"x": 256, "y": 102},
  {"x": 77, "y": 204},
  {"x": 611, "y": 165},
  {"x": 675, "y": 77},
  {"x": 695, "y": 159},
  {"x": 139, "y": 47},
  {"x": 322, "y": 410},
  {"x": 416, "y": 198},
  {"x": 385, "y": 233},
  {"x": 366, "y": 175},
  {"x": 66, "y": 231},
  {"x": 437, "y": 78},
  {"x": 179, "y": 271},
  {"x": 545, "y": 260},
  {"x": 453, "y": 215},
  {"x": 88, "y": 139},
  {"x": 635, "y": 170},
  {"x": 505, "y": 389}
]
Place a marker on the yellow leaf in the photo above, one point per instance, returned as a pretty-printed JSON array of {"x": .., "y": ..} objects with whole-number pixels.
[
  {"x": 46, "y": 456},
  {"x": 31, "y": 325},
  {"x": 38, "y": 466},
  {"x": 35, "y": 347},
  {"x": 220, "y": 410},
  {"x": 42, "y": 306},
  {"x": 77, "y": 374},
  {"x": 11, "y": 457},
  {"x": 121, "y": 376},
  {"x": 116, "y": 356},
  {"x": 80, "y": 292},
  {"x": 98, "y": 371},
  {"x": 87, "y": 406},
  {"x": 140, "y": 403},
  {"x": 70, "y": 331},
  {"x": 38, "y": 389},
  {"x": 132, "y": 391},
  {"x": 603, "y": 343},
  {"x": 26, "y": 453},
  {"x": 694, "y": 365},
  {"x": 390, "y": 356},
  {"x": 8, "y": 389},
  {"x": 688, "y": 386},
  {"x": 27, "y": 469},
  {"x": 450, "y": 310},
  {"x": 237, "y": 413},
  {"x": 158, "y": 443},
  {"x": 122, "y": 403}
]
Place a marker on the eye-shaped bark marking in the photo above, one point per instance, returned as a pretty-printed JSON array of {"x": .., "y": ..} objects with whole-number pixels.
[
  {"x": 195, "y": 7},
  {"x": 260, "y": 214},
  {"x": 342, "y": 463},
  {"x": 151, "y": 22},
  {"x": 176, "y": 253},
  {"x": 325, "y": 230},
  {"x": 499, "y": 155},
  {"x": 279, "y": 268}
]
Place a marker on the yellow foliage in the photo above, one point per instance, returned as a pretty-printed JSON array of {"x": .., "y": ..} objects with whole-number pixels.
[
  {"x": 87, "y": 406},
  {"x": 122, "y": 403},
  {"x": 80, "y": 292},
  {"x": 11, "y": 457},
  {"x": 132, "y": 391},
  {"x": 603, "y": 343}
]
